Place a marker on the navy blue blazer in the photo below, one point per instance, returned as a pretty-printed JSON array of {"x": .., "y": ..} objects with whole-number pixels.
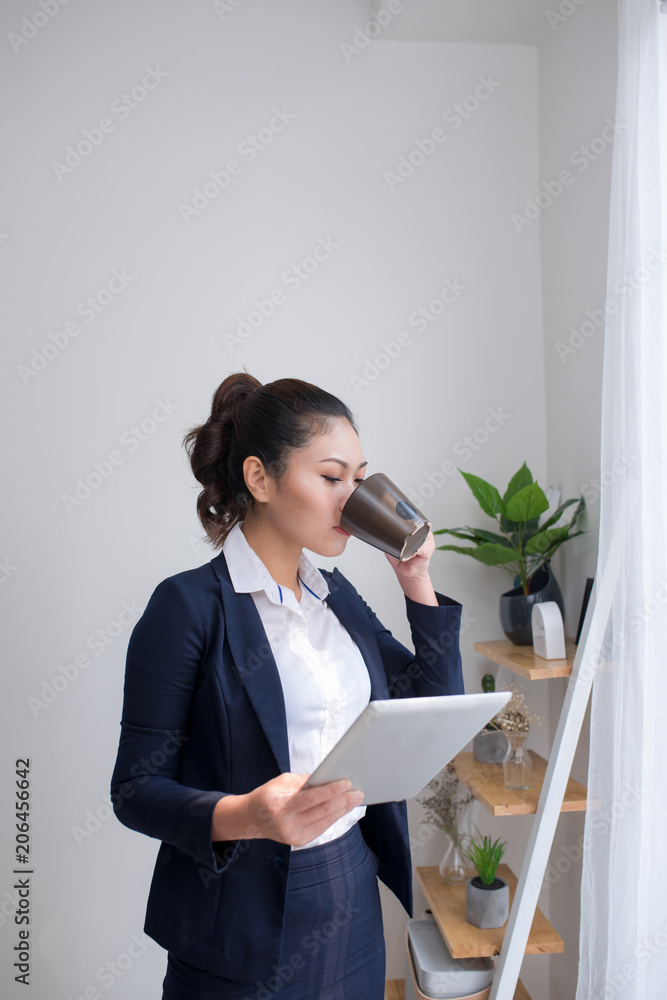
[{"x": 204, "y": 716}]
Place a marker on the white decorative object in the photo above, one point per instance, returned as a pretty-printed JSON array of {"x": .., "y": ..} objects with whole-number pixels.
[{"x": 548, "y": 632}]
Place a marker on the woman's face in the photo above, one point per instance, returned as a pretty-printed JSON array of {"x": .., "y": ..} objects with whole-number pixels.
[{"x": 305, "y": 506}]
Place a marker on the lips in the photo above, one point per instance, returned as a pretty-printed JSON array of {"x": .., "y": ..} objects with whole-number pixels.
[{"x": 342, "y": 531}]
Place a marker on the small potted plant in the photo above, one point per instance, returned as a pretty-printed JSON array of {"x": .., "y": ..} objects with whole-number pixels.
[
  {"x": 523, "y": 548},
  {"x": 487, "y": 896},
  {"x": 490, "y": 744},
  {"x": 448, "y": 808}
]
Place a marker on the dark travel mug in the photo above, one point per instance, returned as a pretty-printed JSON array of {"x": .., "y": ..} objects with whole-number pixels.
[{"x": 378, "y": 513}]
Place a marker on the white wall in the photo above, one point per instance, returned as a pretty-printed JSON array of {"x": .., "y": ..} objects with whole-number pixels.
[
  {"x": 72, "y": 567},
  {"x": 577, "y": 100}
]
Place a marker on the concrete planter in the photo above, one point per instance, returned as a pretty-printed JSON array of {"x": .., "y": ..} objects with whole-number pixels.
[
  {"x": 489, "y": 746},
  {"x": 487, "y": 905}
]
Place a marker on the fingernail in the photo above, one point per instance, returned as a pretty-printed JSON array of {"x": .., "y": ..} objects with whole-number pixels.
[
  {"x": 344, "y": 785},
  {"x": 358, "y": 798}
]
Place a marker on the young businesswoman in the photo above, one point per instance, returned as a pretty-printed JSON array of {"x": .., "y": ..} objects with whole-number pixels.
[{"x": 241, "y": 675}]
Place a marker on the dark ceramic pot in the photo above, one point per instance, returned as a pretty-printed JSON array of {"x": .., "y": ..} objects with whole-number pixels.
[{"x": 516, "y": 607}]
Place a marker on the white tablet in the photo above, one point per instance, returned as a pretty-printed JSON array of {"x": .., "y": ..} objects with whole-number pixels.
[{"x": 396, "y": 746}]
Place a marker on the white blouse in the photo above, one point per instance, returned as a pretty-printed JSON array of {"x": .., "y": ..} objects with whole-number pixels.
[{"x": 324, "y": 677}]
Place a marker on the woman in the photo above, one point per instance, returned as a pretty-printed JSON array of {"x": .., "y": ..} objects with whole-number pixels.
[{"x": 241, "y": 675}]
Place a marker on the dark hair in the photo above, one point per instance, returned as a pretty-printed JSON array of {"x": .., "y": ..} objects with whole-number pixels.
[{"x": 248, "y": 418}]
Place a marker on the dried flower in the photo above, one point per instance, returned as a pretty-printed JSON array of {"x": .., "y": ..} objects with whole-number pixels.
[
  {"x": 516, "y": 717},
  {"x": 446, "y": 806}
]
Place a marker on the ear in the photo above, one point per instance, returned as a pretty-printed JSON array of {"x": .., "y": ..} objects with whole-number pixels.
[{"x": 256, "y": 478}]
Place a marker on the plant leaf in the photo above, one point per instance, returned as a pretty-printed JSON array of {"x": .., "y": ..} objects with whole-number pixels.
[
  {"x": 519, "y": 532},
  {"x": 475, "y": 535},
  {"x": 543, "y": 540},
  {"x": 574, "y": 517},
  {"x": 545, "y": 556},
  {"x": 489, "y": 536},
  {"x": 523, "y": 477},
  {"x": 578, "y": 511},
  {"x": 467, "y": 533},
  {"x": 489, "y": 554},
  {"x": 485, "y": 855},
  {"x": 527, "y": 504},
  {"x": 558, "y": 513},
  {"x": 486, "y": 495}
]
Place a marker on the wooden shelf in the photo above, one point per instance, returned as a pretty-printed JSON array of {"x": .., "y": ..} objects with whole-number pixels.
[
  {"x": 522, "y": 659},
  {"x": 394, "y": 989},
  {"x": 447, "y": 903},
  {"x": 485, "y": 782}
]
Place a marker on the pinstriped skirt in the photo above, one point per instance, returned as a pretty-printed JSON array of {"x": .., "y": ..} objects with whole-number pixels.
[{"x": 333, "y": 942}]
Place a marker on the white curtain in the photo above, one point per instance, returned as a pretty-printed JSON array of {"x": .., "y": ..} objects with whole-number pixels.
[{"x": 623, "y": 939}]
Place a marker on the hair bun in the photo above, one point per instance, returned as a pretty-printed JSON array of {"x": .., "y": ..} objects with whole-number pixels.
[{"x": 231, "y": 394}]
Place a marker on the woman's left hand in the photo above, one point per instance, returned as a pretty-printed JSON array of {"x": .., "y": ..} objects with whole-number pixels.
[{"x": 415, "y": 569}]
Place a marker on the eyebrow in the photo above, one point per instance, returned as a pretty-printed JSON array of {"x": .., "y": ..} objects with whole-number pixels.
[{"x": 341, "y": 462}]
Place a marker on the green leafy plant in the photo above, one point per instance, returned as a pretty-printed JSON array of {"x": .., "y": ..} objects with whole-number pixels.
[
  {"x": 524, "y": 544},
  {"x": 485, "y": 855}
]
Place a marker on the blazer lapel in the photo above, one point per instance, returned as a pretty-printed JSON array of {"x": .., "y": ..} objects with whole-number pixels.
[
  {"x": 349, "y": 610},
  {"x": 255, "y": 663}
]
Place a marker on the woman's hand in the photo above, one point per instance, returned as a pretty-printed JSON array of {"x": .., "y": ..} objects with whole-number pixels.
[
  {"x": 281, "y": 810},
  {"x": 413, "y": 573}
]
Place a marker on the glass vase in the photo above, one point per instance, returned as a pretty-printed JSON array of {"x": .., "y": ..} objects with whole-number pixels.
[
  {"x": 517, "y": 763},
  {"x": 454, "y": 869}
]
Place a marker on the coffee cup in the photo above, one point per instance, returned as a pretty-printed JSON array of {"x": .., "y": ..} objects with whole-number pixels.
[{"x": 380, "y": 514}]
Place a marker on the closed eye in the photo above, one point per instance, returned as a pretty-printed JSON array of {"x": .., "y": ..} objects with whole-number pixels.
[{"x": 335, "y": 479}]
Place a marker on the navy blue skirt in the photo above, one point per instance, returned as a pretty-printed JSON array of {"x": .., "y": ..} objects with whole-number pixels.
[{"x": 333, "y": 942}]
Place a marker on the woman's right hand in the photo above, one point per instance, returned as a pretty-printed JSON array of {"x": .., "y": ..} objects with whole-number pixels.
[{"x": 282, "y": 810}]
